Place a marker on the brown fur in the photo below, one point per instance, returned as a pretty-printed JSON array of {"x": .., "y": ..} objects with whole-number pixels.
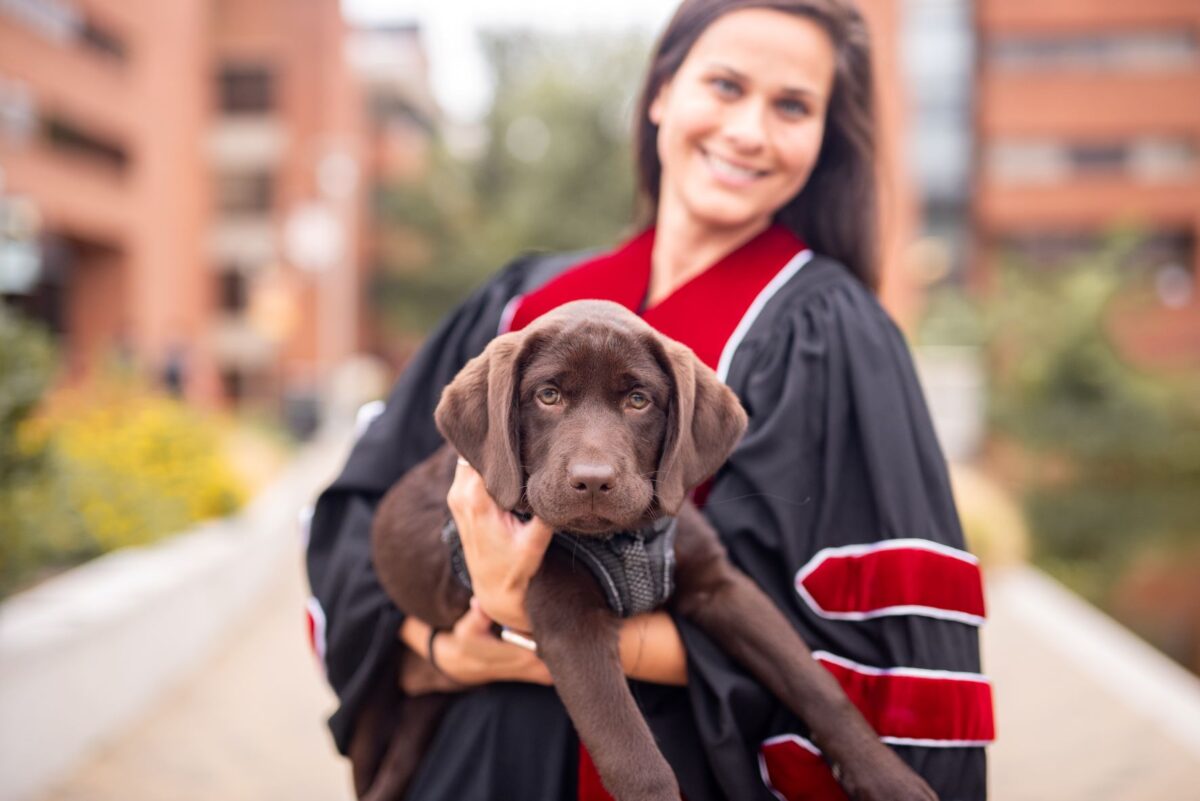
[{"x": 593, "y": 461}]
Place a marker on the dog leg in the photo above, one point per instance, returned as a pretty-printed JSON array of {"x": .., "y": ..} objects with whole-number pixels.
[
  {"x": 577, "y": 639},
  {"x": 752, "y": 630},
  {"x": 410, "y": 560},
  {"x": 419, "y": 717}
]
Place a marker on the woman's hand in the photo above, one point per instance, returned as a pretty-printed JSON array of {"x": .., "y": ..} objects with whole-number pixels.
[
  {"x": 466, "y": 655},
  {"x": 501, "y": 552}
]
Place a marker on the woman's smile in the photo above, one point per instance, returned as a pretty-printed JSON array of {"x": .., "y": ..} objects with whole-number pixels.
[{"x": 731, "y": 172}]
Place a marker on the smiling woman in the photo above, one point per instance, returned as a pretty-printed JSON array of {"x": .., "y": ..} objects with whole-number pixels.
[{"x": 754, "y": 145}]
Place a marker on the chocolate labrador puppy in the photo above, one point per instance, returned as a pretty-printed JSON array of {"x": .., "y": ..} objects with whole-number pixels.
[{"x": 597, "y": 424}]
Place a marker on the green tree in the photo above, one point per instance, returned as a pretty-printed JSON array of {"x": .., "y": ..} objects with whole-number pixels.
[{"x": 554, "y": 173}]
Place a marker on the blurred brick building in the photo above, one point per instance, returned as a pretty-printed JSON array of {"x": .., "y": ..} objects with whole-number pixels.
[
  {"x": 1087, "y": 120},
  {"x": 195, "y": 176},
  {"x": 899, "y": 210}
]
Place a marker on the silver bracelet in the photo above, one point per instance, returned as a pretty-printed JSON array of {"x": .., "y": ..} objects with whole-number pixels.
[{"x": 518, "y": 639}]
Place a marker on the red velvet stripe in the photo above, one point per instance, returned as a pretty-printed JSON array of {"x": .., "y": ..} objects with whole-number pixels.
[
  {"x": 620, "y": 276},
  {"x": 918, "y": 707},
  {"x": 704, "y": 312},
  {"x": 794, "y": 770},
  {"x": 893, "y": 578},
  {"x": 906, "y": 706}
]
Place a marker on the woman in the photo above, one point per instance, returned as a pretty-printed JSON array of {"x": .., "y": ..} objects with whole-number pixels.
[{"x": 756, "y": 164}]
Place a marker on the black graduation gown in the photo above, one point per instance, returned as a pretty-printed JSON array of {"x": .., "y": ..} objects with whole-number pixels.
[{"x": 840, "y": 452}]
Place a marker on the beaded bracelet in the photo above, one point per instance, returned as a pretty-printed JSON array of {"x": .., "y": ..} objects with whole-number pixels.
[{"x": 433, "y": 632}]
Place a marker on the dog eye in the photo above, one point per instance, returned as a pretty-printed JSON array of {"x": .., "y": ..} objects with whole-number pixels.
[
  {"x": 548, "y": 396},
  {"x": 639, "y": 400}
]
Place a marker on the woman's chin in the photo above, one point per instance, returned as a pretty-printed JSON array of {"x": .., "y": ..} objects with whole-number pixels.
[{"x": 729, "y": 214}]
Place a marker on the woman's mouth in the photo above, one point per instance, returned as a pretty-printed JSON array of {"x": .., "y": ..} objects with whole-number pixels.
[{"x": 729, "y": 172}]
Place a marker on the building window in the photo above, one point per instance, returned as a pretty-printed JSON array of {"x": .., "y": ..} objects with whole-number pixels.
[
  {"x": 232, "y": 291},
  {"x": 246, "y": 89},
  {"x": 1142, "y": 160},
  {"x": 1025, "y": 162},
  {"x": 245, "y": 192},
  {"x": 1150, "y": 50},
  {"x": 1098, "y": 158},
  {"x": 64, "y": 135}
]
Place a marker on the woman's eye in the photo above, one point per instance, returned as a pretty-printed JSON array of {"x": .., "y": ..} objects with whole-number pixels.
[
  {"x": 725, "y": 87},
  {"x": 793, "y": 108},
  {"x": 639, "y": 400},
  {"x": 548, "y": 396}
]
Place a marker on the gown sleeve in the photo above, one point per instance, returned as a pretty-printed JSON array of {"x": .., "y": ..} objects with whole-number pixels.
[
  {"x": 360, "y": 623},
  {"x": 839, "y": 463}
]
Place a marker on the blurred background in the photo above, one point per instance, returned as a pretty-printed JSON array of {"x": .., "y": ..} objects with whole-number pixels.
[{"x": 225, "y": 225}]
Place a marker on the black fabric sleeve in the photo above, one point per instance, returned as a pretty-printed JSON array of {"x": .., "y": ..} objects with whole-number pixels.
[
  {"x": 361, "y": 622},
  {"x": 840, "y": 450}
]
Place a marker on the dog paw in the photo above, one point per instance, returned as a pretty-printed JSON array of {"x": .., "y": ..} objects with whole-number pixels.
[{"x": 895, "y": 782}]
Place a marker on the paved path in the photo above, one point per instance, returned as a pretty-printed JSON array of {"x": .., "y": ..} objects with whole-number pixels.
[
  {"x": 1079, "y": 720},
  {"x": 249, "y": 725}
]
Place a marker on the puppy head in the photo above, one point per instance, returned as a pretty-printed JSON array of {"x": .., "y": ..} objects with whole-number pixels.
[{"x": 590, "y": 419}]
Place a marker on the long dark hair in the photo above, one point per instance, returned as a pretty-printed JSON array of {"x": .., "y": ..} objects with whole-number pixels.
[{"x": 836, "y": 211}]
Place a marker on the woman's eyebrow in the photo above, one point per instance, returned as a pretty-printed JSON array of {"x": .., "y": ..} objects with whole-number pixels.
[{"x": 797, "y": 91}]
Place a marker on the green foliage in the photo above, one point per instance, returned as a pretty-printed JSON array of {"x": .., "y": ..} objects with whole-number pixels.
[
  {"x": 135, "y": 466},
  {"x": 951, "y": 318},
  {"x": 1062, "y": 386},
  {"x": 93, "y": 469},
  {"x": 554, "y": 173},
  {"x": 1112, "y": 452},
  {"x": 32, "y": 525}
]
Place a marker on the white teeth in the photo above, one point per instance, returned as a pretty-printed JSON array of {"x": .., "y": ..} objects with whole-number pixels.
[{"x": 722, "y": 166}]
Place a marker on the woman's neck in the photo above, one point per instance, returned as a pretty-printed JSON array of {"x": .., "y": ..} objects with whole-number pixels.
[{"x": 685, "y": 247}]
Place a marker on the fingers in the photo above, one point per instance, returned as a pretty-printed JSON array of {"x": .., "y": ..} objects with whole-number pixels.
[
  {"x": 475, "y": 620},
  {"x": 468, "y": 493},
  {"x": 535, "y": 535},
  {"x": 477, "y": 656}
]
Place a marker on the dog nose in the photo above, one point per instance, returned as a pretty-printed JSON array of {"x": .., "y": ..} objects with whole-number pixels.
[{"x": 592, "y": 478}]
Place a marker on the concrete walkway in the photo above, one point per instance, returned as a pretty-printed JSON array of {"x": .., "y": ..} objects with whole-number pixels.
[{"x": 1086, "y": 712}]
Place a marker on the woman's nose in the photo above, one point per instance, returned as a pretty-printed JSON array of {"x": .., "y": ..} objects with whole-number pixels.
[{"x": 744, "y": 126}]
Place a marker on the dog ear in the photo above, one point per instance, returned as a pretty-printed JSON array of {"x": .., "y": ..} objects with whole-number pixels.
[
  {"x": 704, "y": 423},
  {"x": 478, "y": 416}
]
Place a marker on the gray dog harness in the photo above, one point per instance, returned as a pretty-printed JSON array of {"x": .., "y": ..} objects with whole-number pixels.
[{"x": 635, "y": 569}]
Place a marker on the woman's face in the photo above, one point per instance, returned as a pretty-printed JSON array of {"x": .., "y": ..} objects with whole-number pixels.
[{"x": 740, "y": 123}]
